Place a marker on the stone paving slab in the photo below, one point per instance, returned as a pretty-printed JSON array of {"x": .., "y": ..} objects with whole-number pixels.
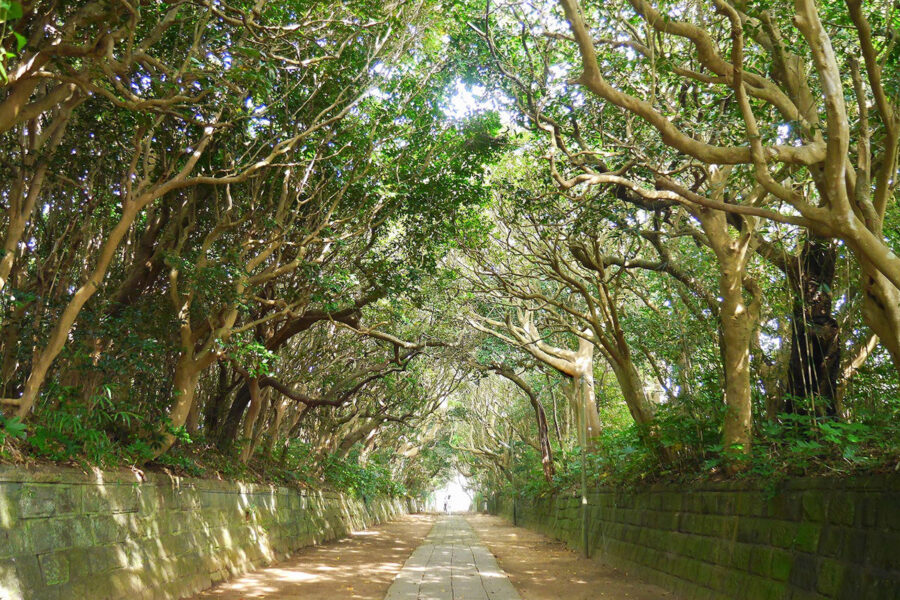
[{"x": 451, "y": 564}]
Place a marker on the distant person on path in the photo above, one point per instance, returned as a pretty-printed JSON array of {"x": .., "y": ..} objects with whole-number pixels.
[{"x": 447, "y": 505}]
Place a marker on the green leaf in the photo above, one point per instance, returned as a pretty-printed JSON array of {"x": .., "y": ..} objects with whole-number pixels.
[
  {"x": 20, "y": 41},
  {"x": 14, "y": 11},
  {"x": 13, "y": 427}
]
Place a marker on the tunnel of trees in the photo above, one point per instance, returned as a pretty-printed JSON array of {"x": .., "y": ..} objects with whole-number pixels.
[{"x": 367, "y": 243}]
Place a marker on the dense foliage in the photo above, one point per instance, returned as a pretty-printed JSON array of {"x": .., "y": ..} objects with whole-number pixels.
[{"x": 360, "y": 244}]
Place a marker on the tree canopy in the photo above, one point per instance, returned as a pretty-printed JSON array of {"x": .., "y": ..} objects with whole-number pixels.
[{"x": 367, "y": 243}]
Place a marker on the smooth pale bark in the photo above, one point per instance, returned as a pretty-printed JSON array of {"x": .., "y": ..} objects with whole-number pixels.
[
  {"x": 881, "y": 311},
  {"x": 250, "y": 420},
  {"x": 632, "y": 385},
  {"x": 184, "y": 387},
  {"x": 855, "y": 197},
  {"x": 582, "y": 394},
  {"x": 577, "y": 365},
  {"x": 738, "y": 320},
  {"x": 737, "y": 329},
  {"x": 280, "y": 409}
]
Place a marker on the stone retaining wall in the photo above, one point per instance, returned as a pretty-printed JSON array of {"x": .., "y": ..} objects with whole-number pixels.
[
  {"x": 68, "y": 535},
  {"x": 815, "y": 539}
]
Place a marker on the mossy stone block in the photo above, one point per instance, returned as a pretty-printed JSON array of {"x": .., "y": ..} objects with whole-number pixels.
[
  {"x": 831, "y": 541},
  {"x": 48, "y": 500},
  {"x": 46, "y": 535},
  {"x": 760, "y": 560},
  {"x": 786, "y": 507},
  {"x": 831, "y": 576},
  {"x": 855, "y": 545},
  {"x": 804, "y": 573},
  {"x": 9, "y": 504},
  {"x": 841, "y": 509},
  {"x": 782, "y": 533},
  {"x": 814, "y": 505},
  {"x": 752, "y": 530},
  {"x": 883, "y": 551},
  {"x": 807, "y": 537},
  {"x": 54, "y": 568},
  {"x": 781, "y": 564},
  {"x": 13, "y": 541}
]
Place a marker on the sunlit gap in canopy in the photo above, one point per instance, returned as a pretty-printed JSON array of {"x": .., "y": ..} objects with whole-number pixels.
[{"x": 455, "y": 492}]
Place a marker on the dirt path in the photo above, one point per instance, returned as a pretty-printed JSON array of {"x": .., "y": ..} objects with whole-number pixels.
[
  {"x": 544, "y": 569},
  {"x": 360, "y": 567}
]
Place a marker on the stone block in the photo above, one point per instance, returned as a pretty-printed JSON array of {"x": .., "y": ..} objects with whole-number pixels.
[
  {"x": 814, "y": 505},
  {"x": 883, "y": 551},
  {"x": 673, "y": 501},
  {"x": 804, "y": 573},
  {"x": 124, "y": 584},
  {"x": 830, "y": 577},
  {"x": 47, "y": 500},
  {"x": 81, "y": 528},
  {"x": 105, "y": 559},
  {"x": 106, "y": 529},
  {"x": 890, "y": 513},
  {"x": 785, "y": 507},
  {"x": 13, "y": 541},
  {"x": 782, "y": 533},
  {"x": 807, "y": 537},
  {"x": 780, "y": 565},
  {"x": 753, "y": 530},
  {"x": 9, "y": 504},
  {"x": 756, "y": 504},
  {"x": 867, "y": 509},
  {"x": 727, "y": 503},
  {"x": 760, "y": 588},
  {"x": 110, "y": 498},
  {"x": 841, "y": 509},
  {"x": 80, "y": 565},
  {"x": 855, "y": 545},
  {"x": 760, "y": 560},
  {"x": 54, "y": 568},
  {"x": 46, "y": 535},
  {"x": 27, "y": 573}
]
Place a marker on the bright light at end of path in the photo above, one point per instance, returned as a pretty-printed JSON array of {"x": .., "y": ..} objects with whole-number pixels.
[{"x": 459, "y": 498}]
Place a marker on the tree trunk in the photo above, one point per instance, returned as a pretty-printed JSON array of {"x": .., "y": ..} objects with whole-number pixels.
[
  {"x": 815, "y": 341},
  {"x": 215, "y": 407},
  {"x": 738, "y": 320},
  {"x": 58, "y": 337},
  {"x": 737, "y": 328},
  {"x": 229, "y": 429},
  {"x": 544, "y": 440},
  {"x": 193, "y": 421},
  {"x": 541, "y": 418},
  {"x": 280, "y": 408},
  {"x": 587, "y": 418},
  {"x": 250, "y": 420},
  {"x": 632, "y": 387},
  {"x": 881, "y": 311},
  {"x": 184, "y": 387}
]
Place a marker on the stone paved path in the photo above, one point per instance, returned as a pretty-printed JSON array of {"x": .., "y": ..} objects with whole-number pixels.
[{"x": 451, "y": 564}]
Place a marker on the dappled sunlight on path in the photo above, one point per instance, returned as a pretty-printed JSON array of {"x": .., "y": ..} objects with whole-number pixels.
[
  {"x": 451, "y": 564},
  {"x": 360, "y": 567},
  {"x": 543, "y": 569}
]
